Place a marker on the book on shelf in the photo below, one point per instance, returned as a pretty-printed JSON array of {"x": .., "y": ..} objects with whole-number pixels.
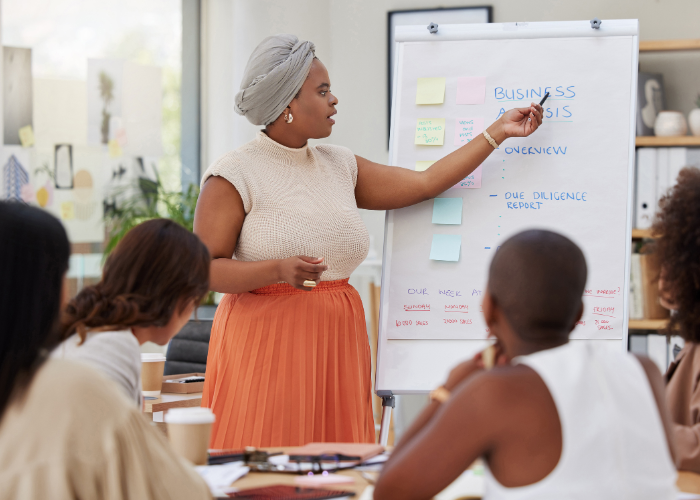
[
  {"x": 649, "y": 264},
  {"x": 636, "y": 300},
  {"x": 644, "y": 288},
  {"x": 656, "y": 172}
]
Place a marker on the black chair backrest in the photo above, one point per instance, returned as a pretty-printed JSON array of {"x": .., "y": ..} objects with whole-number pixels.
[{"x": 187, "y": 351}]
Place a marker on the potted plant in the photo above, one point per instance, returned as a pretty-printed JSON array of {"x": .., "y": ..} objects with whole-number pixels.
[{"x": 150, "y": 200}]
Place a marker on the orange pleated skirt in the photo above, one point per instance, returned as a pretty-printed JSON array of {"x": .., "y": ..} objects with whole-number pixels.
[{"x": 288, "y": 367}]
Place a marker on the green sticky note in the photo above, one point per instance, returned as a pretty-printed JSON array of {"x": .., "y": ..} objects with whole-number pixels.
[
  {"x": 430, "y": 131},
  {"x": 447, "y": 211},
  {"x": 446, "y": 247},
  {"x": 421, "y": 166},
  {"x": 430, "y": 91}
]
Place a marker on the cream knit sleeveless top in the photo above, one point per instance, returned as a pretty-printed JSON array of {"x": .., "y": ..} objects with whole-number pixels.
[{"x": 297, "y": 202}]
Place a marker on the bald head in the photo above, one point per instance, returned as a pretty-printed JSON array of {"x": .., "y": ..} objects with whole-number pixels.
[{"x": 537, "y": 279}]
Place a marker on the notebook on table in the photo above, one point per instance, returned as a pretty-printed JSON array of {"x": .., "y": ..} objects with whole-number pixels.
[
  {"x": 285, "y": 492},
  {"x": 344, "y": 451}
]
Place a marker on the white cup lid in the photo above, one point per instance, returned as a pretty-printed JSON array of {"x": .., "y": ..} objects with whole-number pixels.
[
  {"x": 152, "y": 357},
  {"x": 190, "y": 416}
]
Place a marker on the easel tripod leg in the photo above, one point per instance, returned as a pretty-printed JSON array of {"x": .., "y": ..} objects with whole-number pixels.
[{"x": 388, "y": 402}]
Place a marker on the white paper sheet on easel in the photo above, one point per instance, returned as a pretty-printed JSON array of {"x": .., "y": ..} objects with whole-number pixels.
[{"x": 570, "y": 176}]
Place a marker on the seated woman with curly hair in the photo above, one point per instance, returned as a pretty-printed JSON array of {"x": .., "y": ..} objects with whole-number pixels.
[{"x": 677, "y": 227}]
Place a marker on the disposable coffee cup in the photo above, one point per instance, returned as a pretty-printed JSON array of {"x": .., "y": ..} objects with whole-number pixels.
[
  {"x": 152, "y": 366},
  {"x": 189, "y": 430}
]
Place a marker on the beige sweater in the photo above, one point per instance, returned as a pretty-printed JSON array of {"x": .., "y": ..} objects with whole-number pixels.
[
  {"x": 75, "y": 435},
  {"x": 297, "y": 202}
]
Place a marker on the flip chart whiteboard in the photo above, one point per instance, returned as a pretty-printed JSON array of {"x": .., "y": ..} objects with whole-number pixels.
[{"x": 574, "y": 175}]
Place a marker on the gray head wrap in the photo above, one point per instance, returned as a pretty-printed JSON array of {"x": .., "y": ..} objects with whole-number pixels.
[{"x": 274, "y": 74}]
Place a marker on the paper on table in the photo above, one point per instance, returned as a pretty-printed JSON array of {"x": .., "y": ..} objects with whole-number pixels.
[
  {"x": 26, "y": 136},
  {"x": 368, "y": 494},
  {"x": 220, "y": 477},
  {"x": 446, "y": 247},
  {"x": 467, "y": 485},
  {"x": 430, "y": 131},
  {"x": 447, "y": 211},
  {"x": 423, "y": 165},
  {"x": 466, "y": 129},
  {"x": 430, "y": 91},
  {"x": 472, "y": 181},
  {"x": 687, "y": 496},
  {"x": 471, "y": 90},
  {"x": 323, "y": 480}
]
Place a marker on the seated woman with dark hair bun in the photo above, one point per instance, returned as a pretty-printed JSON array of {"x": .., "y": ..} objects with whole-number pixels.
[
  {"x": 677, "y": 228},
  {"x": 66, "y": 432},
  {"x": 151, "y": 283}
]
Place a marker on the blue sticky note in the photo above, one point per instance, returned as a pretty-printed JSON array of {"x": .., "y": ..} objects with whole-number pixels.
[
  {"x": 446, "y": 247},
  {"x": 447, "y": 211}
]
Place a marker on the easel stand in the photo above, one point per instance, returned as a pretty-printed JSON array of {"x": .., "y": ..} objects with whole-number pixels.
[{"x": 388, "y": 402}]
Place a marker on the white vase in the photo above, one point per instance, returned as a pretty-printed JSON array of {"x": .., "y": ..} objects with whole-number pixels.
[
  {"x": 670, "y": 123},
  {"x": 694, "y": 121}
]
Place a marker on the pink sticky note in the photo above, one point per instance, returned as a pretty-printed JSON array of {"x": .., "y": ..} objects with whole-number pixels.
[
  {"x": 471, "y": 90},
  {"x": 466, "y": 129},
  {"x": 472, "y": 181}
]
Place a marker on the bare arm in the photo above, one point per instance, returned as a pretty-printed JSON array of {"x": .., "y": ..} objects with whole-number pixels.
[
  {"x": 380, "y": 187},
  {"x": 218, "y": 220},
  {"x": 657, "y": 387},
  {"x": 441, "y": 440}
]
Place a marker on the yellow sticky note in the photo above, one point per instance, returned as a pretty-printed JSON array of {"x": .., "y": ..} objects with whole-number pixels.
[
  {"x": 67, "y": 210},
  {"x": 423, "y": 165},
  {"x": 115, "y": 150},
  {"x": 26, "y": 136},
  {"x": 430, "y": 131},
  {"x": 430, "y": 91}
]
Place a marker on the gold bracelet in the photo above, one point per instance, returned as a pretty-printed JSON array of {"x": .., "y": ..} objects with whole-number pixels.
[
  {"x": 488, "y": 137},
  {"x": 440, "y": 395}
]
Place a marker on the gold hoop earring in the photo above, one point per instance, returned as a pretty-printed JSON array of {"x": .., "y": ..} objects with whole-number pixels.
[{"x": 288, "y": 118}]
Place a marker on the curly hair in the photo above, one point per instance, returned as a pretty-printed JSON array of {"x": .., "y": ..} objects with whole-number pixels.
[
  {"x": 677, "y": 227},
  {"x": 157, "y": 266}
]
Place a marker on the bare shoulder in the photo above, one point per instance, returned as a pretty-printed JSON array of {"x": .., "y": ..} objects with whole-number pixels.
[
  {"x": 503, "y": 390},
  {"x": 216, "y": 185}
]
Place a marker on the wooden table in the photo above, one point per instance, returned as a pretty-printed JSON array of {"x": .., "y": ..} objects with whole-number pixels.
[
  {"x": 257, "y": 479},
  {"x": 169, "y": 400},
  {"x": 688, "y": 482}
]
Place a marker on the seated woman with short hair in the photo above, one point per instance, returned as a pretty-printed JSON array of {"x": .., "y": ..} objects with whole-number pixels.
[
  {"x": 554, "y": 420},
  {"x": 66, "y": 431},
  {"x": 151, "y": 283}
]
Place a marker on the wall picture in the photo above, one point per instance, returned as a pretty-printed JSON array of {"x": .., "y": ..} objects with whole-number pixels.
[
  {"x": 105, "y": 84},
  {"x": 63, "y": 166},
  {"x": 16, "y": 92}
]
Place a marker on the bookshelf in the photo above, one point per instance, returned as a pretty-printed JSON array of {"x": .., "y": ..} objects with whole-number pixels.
[
  {"x": 668, "y": 45},
  {"x": 653, "y": 141},
  {"x": 639, "y": 234},
  {"x": 647, "y": 324},
  {"x": 660, "y": 142}
]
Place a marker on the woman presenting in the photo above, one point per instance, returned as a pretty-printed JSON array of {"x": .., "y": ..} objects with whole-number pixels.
[{"x": 289, "y": 358}]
